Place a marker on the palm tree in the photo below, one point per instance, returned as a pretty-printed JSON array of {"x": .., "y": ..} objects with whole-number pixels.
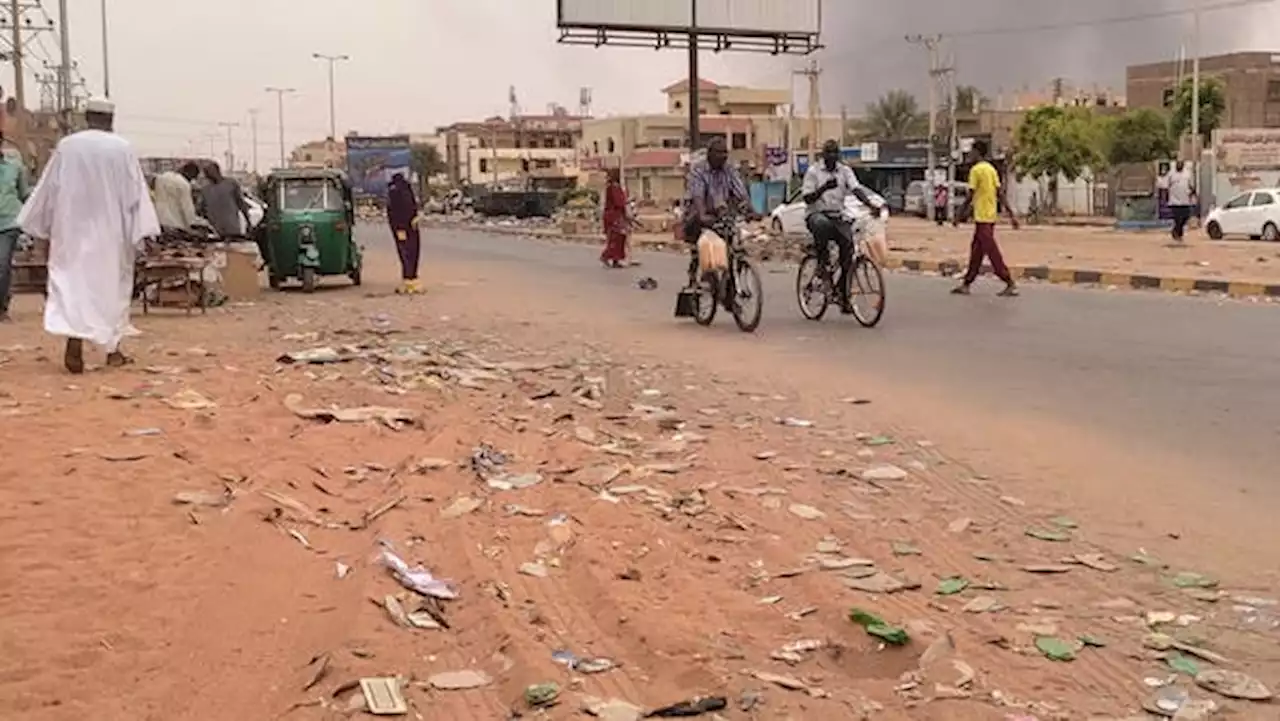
[{"x": 895, "y": 116}]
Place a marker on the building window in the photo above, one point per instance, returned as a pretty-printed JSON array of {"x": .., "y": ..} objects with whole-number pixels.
[
  {"x": 725, "y": 112},
  {"x": 672, "y": 143},
  {"x": 702, "y": 110},
  {"x": 595, "y": 146},
  {"x": 611, "y": 146},
  {"x": 1166, "y": 98},
  {"x": 739, "y": 141},
  {"x": 1273, "y": 90},
  {"x": 566, "y": 141},
  {"x": 481, "y": 143},
  {"x": 543, "y": 164},
  {"x": 677, "y": 105},
  {"x": 484, "y": 165}
]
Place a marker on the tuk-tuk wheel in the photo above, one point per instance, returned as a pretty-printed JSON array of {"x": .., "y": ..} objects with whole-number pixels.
[
  {"x": 275, "y": 281},
  {"x": 355, "y": 276},
  {"x": 308, "y": 278}
]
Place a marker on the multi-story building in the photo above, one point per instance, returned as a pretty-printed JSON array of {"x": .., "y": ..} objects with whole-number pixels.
[
  {"x": 327, "y": 153},
  {"x": 498, "y": 149},
  {"x": 1251, "y": 83},
  {"x": 652, "y": 149}
]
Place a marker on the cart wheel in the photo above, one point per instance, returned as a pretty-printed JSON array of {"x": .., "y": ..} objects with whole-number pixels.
[
  {"x": 274, "y": 281},
  {"x": 308, "y": 278}
]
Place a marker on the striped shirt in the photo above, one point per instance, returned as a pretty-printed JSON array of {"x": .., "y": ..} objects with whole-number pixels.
[{"x": 718, "y": 188}]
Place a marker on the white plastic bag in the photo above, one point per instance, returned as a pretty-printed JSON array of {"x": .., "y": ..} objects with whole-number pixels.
[
  {"x": 876, "y": 240},
  {"x": 713, "y": 254}
]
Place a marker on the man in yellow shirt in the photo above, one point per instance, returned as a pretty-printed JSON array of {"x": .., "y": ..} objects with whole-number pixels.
[{"x": 985, "y": 196}]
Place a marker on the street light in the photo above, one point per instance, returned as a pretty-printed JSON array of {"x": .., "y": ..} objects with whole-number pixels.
[
  {"x": 332, "y": 60},
  {"x": 106, "y": 55},
  {"x": 280, "y": 93}
]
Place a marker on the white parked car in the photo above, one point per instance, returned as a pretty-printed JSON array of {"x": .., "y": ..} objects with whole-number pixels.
[
  {"x": 1253, "y": 213},
  {"x": 788, "y": 218}
]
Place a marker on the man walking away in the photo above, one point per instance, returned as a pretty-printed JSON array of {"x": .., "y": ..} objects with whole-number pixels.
[
  {"x": 940, "y": 196},
  {"x": 224, "y": 204},
  {"x": 985, "y": 197},
  {"x": 402, "y": 212},
  {"x": 175, "y": 203},
  {"x": 13, "y": 193},
  {"x": 93, "y": 207},
  {"x": 1182, "y": 191}
]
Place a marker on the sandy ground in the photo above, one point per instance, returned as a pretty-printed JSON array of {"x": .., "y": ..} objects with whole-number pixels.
[{"x": 679, "y": 526}]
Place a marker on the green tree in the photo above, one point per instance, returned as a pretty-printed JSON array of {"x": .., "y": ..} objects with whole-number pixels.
[
  {"x": 1213, "y": 103},
  {"x": 1139, "y": 135},
  {"x": 426, "y": 163},
  {"x": 895, "y": 116},
  {"x": 1054, "y": 143}
]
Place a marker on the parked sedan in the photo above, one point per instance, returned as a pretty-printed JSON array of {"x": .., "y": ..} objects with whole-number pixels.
[
  {"x": 788, "y": 218},
  {"x": 1254, "y": 213}
]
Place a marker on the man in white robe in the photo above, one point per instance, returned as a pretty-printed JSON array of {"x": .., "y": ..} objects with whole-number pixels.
[{"x": 93, "y": 205}]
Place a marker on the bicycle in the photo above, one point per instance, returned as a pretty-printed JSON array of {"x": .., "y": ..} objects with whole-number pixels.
[
  {"x": 738, "y": 287},
  {"x": 815, "y": 284}
]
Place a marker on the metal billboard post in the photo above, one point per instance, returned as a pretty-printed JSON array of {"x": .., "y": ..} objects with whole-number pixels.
[{"x": 775, "y": 27}]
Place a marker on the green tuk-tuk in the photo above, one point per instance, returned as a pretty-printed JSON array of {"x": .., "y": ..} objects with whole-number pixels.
[{"x": 308, "y": 228}]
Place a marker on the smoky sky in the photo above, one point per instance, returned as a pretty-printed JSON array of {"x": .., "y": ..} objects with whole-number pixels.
[{"x": 867, "y": 54}]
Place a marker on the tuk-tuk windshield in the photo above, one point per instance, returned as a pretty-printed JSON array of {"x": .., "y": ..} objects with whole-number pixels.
[{"x": 311, "y": 194}]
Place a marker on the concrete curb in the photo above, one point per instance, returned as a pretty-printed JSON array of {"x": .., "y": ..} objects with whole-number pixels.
[{"x": 947, "y": 268}]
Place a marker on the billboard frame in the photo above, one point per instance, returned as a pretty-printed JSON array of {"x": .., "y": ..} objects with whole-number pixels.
[{"x": 772, "y": 42}]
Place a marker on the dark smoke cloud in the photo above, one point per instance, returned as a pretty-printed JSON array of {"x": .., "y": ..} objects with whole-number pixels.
[{"x": 867, "y": 55}]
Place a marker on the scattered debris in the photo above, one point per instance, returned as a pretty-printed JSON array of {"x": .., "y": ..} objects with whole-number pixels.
[
  {"x": 808, "y": 513},
  {"x": 884, "y": 473},
  {"x": 189, "y": 400},
  {"x": 693, "y": 707},
  {"x": 459, "y": 680},
  {"x": 1056, "y": 649},
  {"x": 461, "y": 507},
  {"x": 541, "y": 694},
  {"x": 875, "y": 626},
  {"x": 1233, "y": 684},
  {"x": 382, "y": 697},
  {"x": 952, "y": 586},
  {"x": 393, "y": 418},
  {"x": 416, "y": 579},
  {"x": 583, "y": 665},
  {"x": 206, "y": 499}
]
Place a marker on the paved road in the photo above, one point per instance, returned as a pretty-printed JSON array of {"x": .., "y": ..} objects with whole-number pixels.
[{"x": 1168, "y": 371}]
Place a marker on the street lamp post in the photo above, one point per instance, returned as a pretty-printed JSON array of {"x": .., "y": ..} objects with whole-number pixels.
[
  {"x": 333, "y": 60},
  {"x": 106, "y": 55},
  {"x": 280, "y": 93}
]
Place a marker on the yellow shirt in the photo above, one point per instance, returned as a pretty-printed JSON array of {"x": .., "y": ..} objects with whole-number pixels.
[{"x": 984, "y": 183}]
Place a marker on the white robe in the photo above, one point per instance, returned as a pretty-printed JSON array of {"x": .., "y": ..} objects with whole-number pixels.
[{"x": 93, "y": 205}]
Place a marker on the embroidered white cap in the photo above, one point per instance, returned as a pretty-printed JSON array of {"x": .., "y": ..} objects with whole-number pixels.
[{"x": 101, "y": 106}]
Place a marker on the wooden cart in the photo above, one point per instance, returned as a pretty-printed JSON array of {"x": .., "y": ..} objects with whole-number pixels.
[
  {"x": 31, "y": 266},
  {"x": 176, "y": 282}
]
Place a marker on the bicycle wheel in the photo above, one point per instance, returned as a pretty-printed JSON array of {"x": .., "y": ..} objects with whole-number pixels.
[
  {"x": 748, "y": 303},
  {"x": 811, "y": 289},
  {"x": 867, "y": 292},
  {"x": 708, "y": 296}
]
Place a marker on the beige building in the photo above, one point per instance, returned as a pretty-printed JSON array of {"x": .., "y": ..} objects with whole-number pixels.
[
  {"x": 498, "y": 149},
  {"x": 716, "y": 99},
  {"x": 652, "y": 149},
  {"x": 1251, "y": 83},
  {"x": 325, "y": 153}
]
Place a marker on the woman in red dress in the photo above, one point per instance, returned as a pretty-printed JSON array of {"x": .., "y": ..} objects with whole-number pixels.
[{"x": 615, "y": 222}]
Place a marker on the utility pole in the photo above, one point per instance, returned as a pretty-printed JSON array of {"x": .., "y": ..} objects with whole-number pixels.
[
  {"x": 106, "y": 55},
  {"x": 64, "y": 70},
  {"x": 695, "y": 135},
  {"x": 280, "y": 93},
  {"x": 1195, "y": 97},
  {"x": 953, "y": 146},
  {"x": 812, "y": 73},
  {"x": 253, "y": 134},
  {"x": 231, "y": 151},
  {"x": 930, "y": 43},
  {"x": 333, "y": 108},
  {"x": 15, "y": 19}
]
